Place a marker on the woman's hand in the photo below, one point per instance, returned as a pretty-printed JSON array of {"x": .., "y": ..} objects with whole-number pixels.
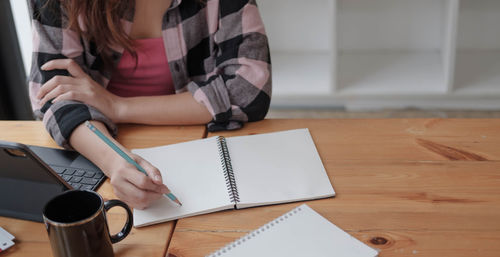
[
  {"x": 79, "y": 87},
  {"x": 134, "y": 187}
]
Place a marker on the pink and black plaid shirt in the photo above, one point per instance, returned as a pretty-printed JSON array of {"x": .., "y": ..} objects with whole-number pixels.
[{"x": 217, "y": 50}]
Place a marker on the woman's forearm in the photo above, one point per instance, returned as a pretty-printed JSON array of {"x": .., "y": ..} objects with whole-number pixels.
[
  {"x": 177, "y": 109},
  {"x": 93, "y": 148},
  {"x": 135, "y": 188}
]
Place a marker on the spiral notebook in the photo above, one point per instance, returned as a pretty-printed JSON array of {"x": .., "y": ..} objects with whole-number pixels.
[
  {"x": 298, "y": 233},
  {"x": 218, "y": 173}
]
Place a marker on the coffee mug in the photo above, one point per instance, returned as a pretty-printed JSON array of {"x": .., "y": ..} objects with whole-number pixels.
[{"x": 77, "y": 226}]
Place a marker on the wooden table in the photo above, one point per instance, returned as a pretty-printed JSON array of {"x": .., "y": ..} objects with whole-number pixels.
[
  {"x": 417, "y": 187},
  {"x": 31, "y": 237}
]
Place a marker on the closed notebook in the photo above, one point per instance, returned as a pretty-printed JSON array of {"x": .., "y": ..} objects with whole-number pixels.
[
  {"x": 218, "y": 173},
  {"x": 298, "y": 233}
]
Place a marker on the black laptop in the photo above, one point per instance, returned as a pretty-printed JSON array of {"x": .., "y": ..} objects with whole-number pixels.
[{"x": 32, "y": 175}]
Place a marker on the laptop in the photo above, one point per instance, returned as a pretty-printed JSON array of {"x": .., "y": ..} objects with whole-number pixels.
[{"x": 32, "y": 175}]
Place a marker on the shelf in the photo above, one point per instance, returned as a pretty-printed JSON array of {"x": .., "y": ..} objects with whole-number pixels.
[
  {"x": 479, "y": 25},
  {"x": 392, "y": 24},
  {"x": 297, "y": 25},
  {"x": 302, "y": 73},
  {"x": 301, "y": 45},
  {"x": 478, "y": 72},
  {"x": 477, "y": 68},
  {"x": 369, "y": 53},
  {"x": 392, "y": 47},
  {"x": 386, "y": 73}
]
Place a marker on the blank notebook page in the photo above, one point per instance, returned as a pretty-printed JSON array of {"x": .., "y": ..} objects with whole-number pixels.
[
  {"x": 277, "y": 167},
  {"x": 301, "y": 232},
  {"x": 193, "y": 172}
]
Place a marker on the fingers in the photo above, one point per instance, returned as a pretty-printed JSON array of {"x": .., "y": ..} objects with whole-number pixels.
[
  {"x": 65, "y": 64},
  {"x": 135, "y": 188},
  {"x": 144, "y": 182},
  {"x": 70, "y": 95},
  {"x": 63, "y": 89},
  {"x": 53, "y": 83},
  {"x": 151, "y": 170},
  {"x": 134, "y": 196}
]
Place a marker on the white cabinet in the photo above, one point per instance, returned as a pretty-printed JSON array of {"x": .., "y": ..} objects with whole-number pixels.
[
  {"x": 363, "y": 54},
  {"x": 478, "y": 47},
  {"x": 301, "y": 41}
]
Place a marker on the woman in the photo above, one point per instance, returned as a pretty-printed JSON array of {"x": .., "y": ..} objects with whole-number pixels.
[{"x": 164, "y": 62}]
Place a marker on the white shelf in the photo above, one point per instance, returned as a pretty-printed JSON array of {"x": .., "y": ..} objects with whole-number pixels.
[
  {"x": 391, "y": 24},
  {"x": 301, "y": 47},
  {"x": 384, "y": 53},
  {"x": 478, "y": 72},
  {"x": 479, "y": 25},
  {"x": 390, "y": 73},
  {"x": 389, "y": 47},
  {"x": 477, "y": 69},
  {"x": 297, "y": 25},
  {"x": 302, "y": 73}
]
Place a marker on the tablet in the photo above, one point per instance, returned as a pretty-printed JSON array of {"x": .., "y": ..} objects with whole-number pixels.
[
  {"x": 32, "y": 175},
  {"x": 26, "y": 182}
]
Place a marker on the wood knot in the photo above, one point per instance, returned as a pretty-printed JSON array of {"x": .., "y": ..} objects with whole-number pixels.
[{"x": 379, "y": 241}]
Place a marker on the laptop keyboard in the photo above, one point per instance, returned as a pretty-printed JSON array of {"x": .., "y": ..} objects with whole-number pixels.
[{"x": 79, "y": 178}]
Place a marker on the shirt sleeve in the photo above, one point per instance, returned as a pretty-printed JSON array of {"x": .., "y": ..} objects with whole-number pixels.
[
  {"x": 51, "y": 40},
  {"x": 240, "y": 89}
]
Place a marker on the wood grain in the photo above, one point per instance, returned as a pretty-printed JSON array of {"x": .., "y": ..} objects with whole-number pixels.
[
  {"x": 397, "y": 243},
  {"x": 390, "y": 139},
  {"x": 407, "y": 187},
  {"x": 31, "y": 237},
  {"x": 26, "y": 132},
  {"x": 140, "y": 136}
]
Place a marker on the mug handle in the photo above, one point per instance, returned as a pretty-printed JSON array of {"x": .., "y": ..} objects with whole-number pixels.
[{"x": 128, "y": 224}]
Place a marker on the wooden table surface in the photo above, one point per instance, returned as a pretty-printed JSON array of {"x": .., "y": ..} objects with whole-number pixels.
[
  {"x": 409, "y": 187},
  {"x": 31, "y": 237}
]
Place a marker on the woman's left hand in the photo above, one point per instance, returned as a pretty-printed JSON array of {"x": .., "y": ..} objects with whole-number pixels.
[{"x": 79, "y": 87}]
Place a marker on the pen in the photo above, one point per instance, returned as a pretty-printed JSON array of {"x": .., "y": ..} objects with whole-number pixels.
[{"x": 125, "y": 156}]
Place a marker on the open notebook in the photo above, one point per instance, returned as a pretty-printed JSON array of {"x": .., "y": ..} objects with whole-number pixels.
[
  {"x": 218, "y": 173},
  {"x": 297, "y": 233}
]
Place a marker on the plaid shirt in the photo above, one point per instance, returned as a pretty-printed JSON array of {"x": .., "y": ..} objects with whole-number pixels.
[{"x": 217, "y": 50}]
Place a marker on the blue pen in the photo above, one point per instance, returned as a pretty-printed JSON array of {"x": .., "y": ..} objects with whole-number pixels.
[{"x": 125, "y": 156}]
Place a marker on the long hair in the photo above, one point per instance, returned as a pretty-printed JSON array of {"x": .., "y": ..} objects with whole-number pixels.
[{"x": 101, "y": 20}]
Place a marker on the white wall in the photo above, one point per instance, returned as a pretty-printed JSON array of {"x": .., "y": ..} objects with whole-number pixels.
[{"x": 23, "y": 29}]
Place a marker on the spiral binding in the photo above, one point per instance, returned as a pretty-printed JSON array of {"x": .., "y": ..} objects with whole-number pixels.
[
  {"x": 228, "y": 170},
  {"x": 254, "y": 233}
]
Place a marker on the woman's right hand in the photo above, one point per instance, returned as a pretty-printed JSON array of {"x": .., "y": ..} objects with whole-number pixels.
[{"x": 133, "y": 186}]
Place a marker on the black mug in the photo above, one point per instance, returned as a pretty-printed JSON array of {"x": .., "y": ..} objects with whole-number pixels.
[{"x": 77, "y": 226}]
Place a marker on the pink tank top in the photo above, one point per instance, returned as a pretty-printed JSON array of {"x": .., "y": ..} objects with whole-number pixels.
[{"x": 150, "y": 77}]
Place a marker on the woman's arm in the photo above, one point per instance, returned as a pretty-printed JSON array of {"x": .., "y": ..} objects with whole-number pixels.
[
  {"x": 240, "y": 86},
  {"x": 178, "y": 109},
  {"x": 51, "y": 40},
  {"x": 239, "y": 89},
  {"x": 135, "y": 188}
]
